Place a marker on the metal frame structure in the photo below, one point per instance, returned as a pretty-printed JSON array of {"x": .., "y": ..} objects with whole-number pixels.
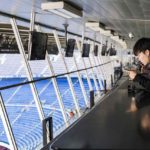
[
  {"x": 81, "y": 84},
  {"x": 100, "y": 60},
  {"x": 94, "y": 60},
  {"x": 4, "y": 115},
  {"x": 80, "y": 81},
  {"x": 100, "y": 68},
  {"x": 84, "y": 65},
  {"x": 28, "y": 69},
  {"x": 98, "y": 71},
  {"x": 60, "y": 101},
  {"x": 93, "y": 74},
  {"x": 3, "y": 111},
  {"x": 56, "y": 88},
  {"x": 7, "y": 125},
  {"x": 30, "y": 35},
  {"x": 67, "y": 75}
]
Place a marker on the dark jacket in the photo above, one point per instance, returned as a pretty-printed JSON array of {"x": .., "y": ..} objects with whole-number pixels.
[
  {"x": 144, "y": 78},
  {"x": 146, "y": 71}
]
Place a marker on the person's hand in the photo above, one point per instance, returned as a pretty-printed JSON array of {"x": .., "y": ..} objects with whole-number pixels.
[{"x": 132, "y": 74}]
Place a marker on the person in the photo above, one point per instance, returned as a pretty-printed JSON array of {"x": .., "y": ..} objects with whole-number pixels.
[{"x": 141, "y": 49}]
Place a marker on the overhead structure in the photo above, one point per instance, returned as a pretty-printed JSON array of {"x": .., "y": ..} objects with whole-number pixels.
[
  {"x": 119, "y": 40},
  {"x": 63, "y": 9},
  {"x": 96, "y": 26}
]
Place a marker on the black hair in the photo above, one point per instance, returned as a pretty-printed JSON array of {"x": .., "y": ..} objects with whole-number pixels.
[{"x": 141, "y": 45}]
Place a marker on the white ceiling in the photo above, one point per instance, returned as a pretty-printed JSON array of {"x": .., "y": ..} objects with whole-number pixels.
[{"x": 123, "y": 16}]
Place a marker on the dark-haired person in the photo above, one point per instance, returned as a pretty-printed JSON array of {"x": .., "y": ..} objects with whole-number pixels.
[{"x": 142, "y": 51}]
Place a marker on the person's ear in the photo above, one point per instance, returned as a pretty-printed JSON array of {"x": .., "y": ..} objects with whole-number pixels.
[{"x": 147, "y": 52}]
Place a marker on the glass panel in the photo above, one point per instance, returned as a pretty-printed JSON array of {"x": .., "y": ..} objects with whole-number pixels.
[
  {"x": 78, "y": 92},
  {"x": 86, "y": 86},
  {"x": 49, "y": 102},
  {"x": 3, "y": 137},
  {"x": 23, "y": 115},
  {"x": 65, "y": 93}
]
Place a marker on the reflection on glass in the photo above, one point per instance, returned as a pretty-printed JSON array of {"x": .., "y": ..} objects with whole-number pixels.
[
  {"x": 144, "y": 126},
  {"x": 132, "y": 107}
]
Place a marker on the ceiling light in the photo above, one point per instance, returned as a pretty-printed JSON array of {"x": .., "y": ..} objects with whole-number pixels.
[
  {"x": 130, "y": 34},
  {"x": 62, "y": 9}
]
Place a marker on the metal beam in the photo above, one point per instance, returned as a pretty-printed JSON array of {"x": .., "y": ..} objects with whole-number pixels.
[
  {"x": 67, "y": 75},
  {"x": 41, "y": 24},
  {"x": 28, "y": 69}
]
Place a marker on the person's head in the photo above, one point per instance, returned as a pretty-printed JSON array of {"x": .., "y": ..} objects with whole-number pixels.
[{"x": 142, "y": 50}]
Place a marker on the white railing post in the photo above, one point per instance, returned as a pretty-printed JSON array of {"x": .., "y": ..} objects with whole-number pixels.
[
  {"x": 84, "y": 65},
  {"x": 67, "y": 75},
  {"x": 97, "y": 68},
  {"x": 7, "y": 125},
  {"x": 93, "y": 74},
  {"x": 60, "y": 101},
  {"x": 81, "y": 82},
  {"x": 28, "y": 69}
]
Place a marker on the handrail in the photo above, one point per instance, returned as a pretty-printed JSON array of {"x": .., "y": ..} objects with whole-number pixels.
[{"x": 46, "y": 78}]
